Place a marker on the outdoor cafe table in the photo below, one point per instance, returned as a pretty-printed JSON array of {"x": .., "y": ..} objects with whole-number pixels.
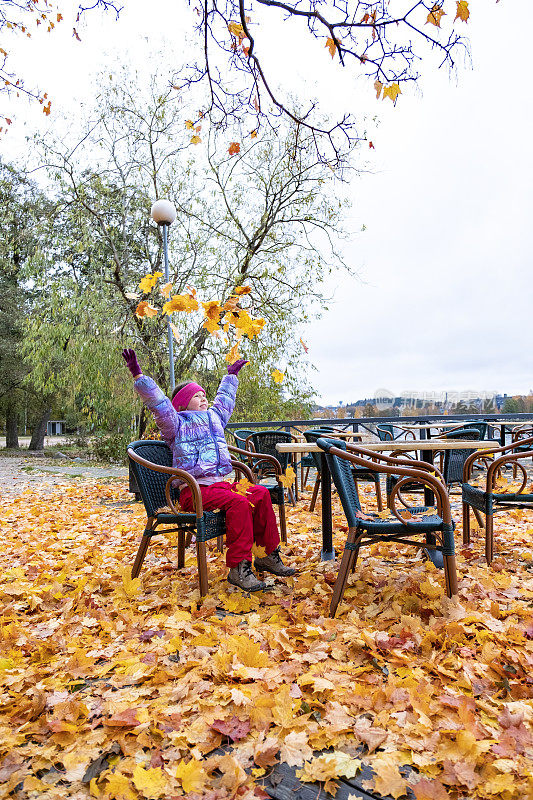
[
  {"x": 426, "y": 446},
  {"x": 425, "y": 428}
]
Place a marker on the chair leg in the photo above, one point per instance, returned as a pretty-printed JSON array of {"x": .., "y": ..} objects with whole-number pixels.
[
  {"x": 450, "y": 575},
  {"x": 489, "y": 538},
  {"x": 479, "y": 518},
  {"x": 220, "y": 544},
  {"x": 141, "y": 552},
  {"x": 282, "y": 523},
  {"x": 181, "y": 549},
  {"x": 315, "y": 494},
  {"x": 202, "y": 568},
  {"x": 379, "y": 499},
  {"x": 346, "y": 565},
  {"x": 466, "y": 523},
  {"x": 296, "y": 484}
]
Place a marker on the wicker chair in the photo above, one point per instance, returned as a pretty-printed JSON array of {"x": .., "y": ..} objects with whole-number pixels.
[
  {"x": 151, "y": 462},
  {"x": 265, "y": 442},
  {"x": 388, "y": 432},
  {"x": 363, "y": 530},
  {"x": 358, "y": 473},
  {"x": 488, "y": 501}
]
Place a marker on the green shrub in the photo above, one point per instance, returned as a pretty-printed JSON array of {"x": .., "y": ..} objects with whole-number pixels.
[{"x": 111, "y": 447}]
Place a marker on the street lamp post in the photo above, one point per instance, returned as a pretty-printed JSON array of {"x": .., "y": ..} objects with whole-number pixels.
[{"x": 164, "y": 214}]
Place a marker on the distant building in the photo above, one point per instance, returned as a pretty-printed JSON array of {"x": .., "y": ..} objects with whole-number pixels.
[{"x": 56, "y": 427}]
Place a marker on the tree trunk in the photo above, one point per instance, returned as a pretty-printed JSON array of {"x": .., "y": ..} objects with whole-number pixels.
[
  {"x": 39, "y": 432},
  {"x": 12, "y": 439}
]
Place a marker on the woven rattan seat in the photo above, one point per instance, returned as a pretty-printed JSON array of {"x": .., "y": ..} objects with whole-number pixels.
[
  {"x": 362, "y": 531},
  {"x": 489, "y": 498},
  {"x": 151, "y": 462}
]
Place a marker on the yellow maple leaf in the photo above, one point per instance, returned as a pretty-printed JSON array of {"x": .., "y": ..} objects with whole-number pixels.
[
  {"x": 189, "y": 124},
  {"x": 388, "y": 779},
  {"x": 119, "y": 787},
  {"x": 435, "y": 15},
  {"x": 392, "y": 91},
  {"x": 181, "y": 302},
  {"x": 150, "y": 782},
  {"x": 195, "y": 139},
  {"x": 463, "y": 12},
  {"x": 278, "y": 376},
  {"x": 144, "y": 309},
  {"x": 242, "y": 486},
  {"x": 131, "y": 586},
  {"x": 166, "y": 289},
  {"x": 287, "y": 479},
  {"x": 253, "y": 135},
  {"x": 332, "y": 47},
  {"x": 147, "y": 283},
  {"x": 239, "y": 290},
  {"x": 237, "y": 30},
  {"x": 233, "y": 354},
  {"x": 247, "y": 651},
  {"x": 192, "y": 775}
]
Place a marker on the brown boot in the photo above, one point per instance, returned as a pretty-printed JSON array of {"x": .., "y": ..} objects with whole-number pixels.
[
  {"x": 273, "y": 563},
  {"x": 243, "y": 577}
]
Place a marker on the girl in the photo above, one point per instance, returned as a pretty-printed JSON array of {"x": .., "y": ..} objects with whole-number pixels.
[{"x": 195, "y": 434}]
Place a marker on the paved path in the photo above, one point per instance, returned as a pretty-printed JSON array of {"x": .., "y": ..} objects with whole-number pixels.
[{"x": 18, "y": 473}]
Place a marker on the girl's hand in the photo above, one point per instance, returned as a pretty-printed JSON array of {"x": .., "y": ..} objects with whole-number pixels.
[
  {"x": 233, "y": 369},
  {"x": 132, "y": 364}
]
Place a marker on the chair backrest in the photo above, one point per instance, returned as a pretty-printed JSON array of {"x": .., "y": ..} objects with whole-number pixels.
[
  {"x": 385, "y": 431},
  {"x": 454, "y": 460},
  {"x": 311, "y": 436},
  {"x": 341, "y": 474},
  {"x": 240, "y": 437},
  {"x": 266, "y": 441},
  {"x": 482, "y": 427},
  {"x": 152, "y": 484}
]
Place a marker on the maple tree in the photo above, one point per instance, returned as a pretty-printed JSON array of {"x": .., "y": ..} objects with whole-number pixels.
[
  {"x": 383, "y": 42},
  {"x": 121, "y": 688}
]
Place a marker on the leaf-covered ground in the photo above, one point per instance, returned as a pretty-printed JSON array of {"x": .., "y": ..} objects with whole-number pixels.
[{"x": 124, "y": 689}]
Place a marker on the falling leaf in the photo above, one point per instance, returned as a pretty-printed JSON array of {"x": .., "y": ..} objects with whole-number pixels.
[
  {"x": 332, "y": 47},
  {"x": 253, "y": 134},
  {"x": 392, "y": 91},
  {"x": 463, "y": 12},
  {"x": 189, "y": 124},
  {"x": 166, "y": 289},
  {"x": 234, "y": 148},
  {"x": 147, "y": 283},
  {"x": 195, "y": 140},
  {"x": 305, "y": 347},
  {"x": 181, "y": 302},
  {"x": 177, "y": 335},
  {"x": 278, "y": 376},
  {"x": 237, "y": 30},
  {"x": 435, "y": 15},
  {"x": 144, "y": 309},
  {"x": 287, "y": 479},
  {"x": 240, "y": 290},
  {"x": 132, "y": 295}
]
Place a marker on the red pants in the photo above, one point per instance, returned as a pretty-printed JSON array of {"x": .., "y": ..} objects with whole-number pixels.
[{"x": 249, "y": 518}]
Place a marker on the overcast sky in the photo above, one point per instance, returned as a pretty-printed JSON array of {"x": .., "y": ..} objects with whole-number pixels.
[{"x": 444, "y": 296}]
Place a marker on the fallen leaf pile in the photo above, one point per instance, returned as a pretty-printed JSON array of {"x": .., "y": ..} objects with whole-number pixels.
[{"x": 126, "y": 689}]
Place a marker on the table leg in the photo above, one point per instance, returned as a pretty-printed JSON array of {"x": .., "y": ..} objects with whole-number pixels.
[
  {"x": 502, "y": 436},
  {"x": 327, "y": 552},
  {"x": 429, "y": 500}
]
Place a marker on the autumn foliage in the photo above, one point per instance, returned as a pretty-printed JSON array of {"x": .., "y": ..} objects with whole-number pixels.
[{"x": 126, "y": 689}]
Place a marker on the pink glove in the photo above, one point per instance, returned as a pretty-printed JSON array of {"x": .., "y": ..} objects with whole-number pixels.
[
  {"x": 132, "y": 364},
  {"x": 233, "y": 369}
]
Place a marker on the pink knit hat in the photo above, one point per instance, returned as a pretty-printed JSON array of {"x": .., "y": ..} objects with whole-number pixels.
[{"x": 181, "y": 400}]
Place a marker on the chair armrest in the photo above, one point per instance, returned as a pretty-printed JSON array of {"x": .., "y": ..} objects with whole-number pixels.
[
  {"x": 469, "y": 463},
  {"x": 258, "y": 457},
  {"x": 410, "y": 463},
  {"x": 238, "y": 466},
  {"x": 420, "y": 476},
  {"x": 512, "y": 458},
  {"x": 174, "y": 472}
]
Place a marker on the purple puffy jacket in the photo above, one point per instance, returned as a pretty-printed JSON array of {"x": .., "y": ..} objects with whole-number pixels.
[{"x": 196, "y": 438}]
